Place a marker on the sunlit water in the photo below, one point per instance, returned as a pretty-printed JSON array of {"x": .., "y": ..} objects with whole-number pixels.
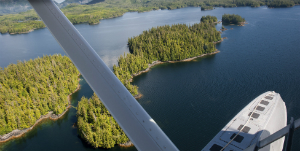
[{"x": 190, "y": 101}]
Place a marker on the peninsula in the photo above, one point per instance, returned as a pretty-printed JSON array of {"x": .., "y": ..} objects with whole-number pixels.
[
  {"x": 33, "y": 90},
  {"x": 164, "y": 44}
]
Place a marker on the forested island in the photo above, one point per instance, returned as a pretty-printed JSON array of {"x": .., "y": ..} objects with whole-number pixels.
[
  {"x": 96, "y": 125},
  {"x": 232, "y": 19},
  {"x": 162, "y": 44},
  {"x": 31, "y": 89},
  {"x": 27, "y": 21}
]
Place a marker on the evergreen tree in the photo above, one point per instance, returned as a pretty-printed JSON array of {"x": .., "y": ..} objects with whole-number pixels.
[{"x": 96, "y": 125}]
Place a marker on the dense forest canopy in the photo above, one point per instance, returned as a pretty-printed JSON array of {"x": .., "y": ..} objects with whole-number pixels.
[
  {"x": 232, "y": 19},
  {"x": 32, "y": 88},
  {"x": 209, "y": 19},
  {"x": 205, "y": 7},
  {"x": 282, "y": 3},
  {"x": 96, "y": 125},
  {"x": 165, "y": 43},
  {"x": 91, "y": 14}
]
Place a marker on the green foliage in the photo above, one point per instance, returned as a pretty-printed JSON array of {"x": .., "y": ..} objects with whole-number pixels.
[
  {"x": 96, "y": 125},
  {"x": 209, "y": 19},
  {"x": 165, "y": 43},
  {"x": 204, "y": 7},
  {"x": 281, "y": 3},
  {"x": 232, "y": 19},
  {"x": 32, "y": 88}
]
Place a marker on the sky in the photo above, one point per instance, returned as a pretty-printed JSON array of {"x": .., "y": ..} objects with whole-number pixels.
[{"x": 59, "y": 1}]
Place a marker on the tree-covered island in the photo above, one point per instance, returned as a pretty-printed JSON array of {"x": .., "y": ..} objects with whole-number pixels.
[
  {"x": 232, "y": 19},
  {"x": 162, "y": 44},
  {"x": 31, "y": 89}
]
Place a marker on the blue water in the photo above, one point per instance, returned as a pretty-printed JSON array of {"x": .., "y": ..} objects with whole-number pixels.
[{"x": 191, "y": 101}]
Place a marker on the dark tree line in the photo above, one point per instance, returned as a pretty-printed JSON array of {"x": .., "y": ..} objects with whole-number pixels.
[
  {"x": 91, "y": 14},
  {"x": 32, "y": 88},
  {"x": 205, "y": 7},
  {"x": 165, "y": 43},
  {"x": 96, "y": 125},
  {"x": 282, "y": 3}
]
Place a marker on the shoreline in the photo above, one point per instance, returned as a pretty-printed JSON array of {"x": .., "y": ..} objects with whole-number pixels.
[
  {"x": 31, "y": 30},
  {"x": 139, "y": 95},
  {"x": 161, "y": 62},
  {"x": 25, "y": 32},
  {"x": 154, "y": 63},
  {"x": 127, "y": 144},
  {"x": 18, "y": 133}
]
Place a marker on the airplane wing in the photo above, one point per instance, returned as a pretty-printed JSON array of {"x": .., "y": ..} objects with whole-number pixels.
[{"x": 133, "y": 119}]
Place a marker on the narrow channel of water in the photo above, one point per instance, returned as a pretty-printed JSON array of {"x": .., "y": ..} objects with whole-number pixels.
[{"x": 191, "y": 101}]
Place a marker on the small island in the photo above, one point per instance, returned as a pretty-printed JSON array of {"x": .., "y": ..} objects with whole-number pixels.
[
  {"x": 34, "y": 90},
  {"x": 205, "y": 7},
  {"x": 232, "y": 19},
  {"x": 97, "y": 126}
]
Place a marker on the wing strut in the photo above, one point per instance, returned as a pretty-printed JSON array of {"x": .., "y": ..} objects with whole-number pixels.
[{"x": 133, "y": 119}]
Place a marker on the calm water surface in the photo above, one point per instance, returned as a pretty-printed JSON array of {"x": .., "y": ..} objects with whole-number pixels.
[{"x": 191, "y": 101}]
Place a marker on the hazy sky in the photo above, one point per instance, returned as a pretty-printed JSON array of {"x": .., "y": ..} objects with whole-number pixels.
[{"x": 59, "y": 1}]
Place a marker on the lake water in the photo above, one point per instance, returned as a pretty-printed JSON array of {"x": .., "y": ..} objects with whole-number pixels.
[{"x": 190, "y": 101}]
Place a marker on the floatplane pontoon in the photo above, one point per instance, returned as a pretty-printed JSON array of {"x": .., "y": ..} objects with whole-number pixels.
[{"x": 262, "y": 117}]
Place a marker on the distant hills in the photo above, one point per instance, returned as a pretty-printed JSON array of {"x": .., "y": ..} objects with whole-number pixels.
[
  {"x": 13, "y": 6},
  {"x": 16, "y": 6}
]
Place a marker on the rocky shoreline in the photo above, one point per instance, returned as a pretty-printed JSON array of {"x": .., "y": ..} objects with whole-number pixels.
[
  {"x": 127, "y": 144},
  {"x": 138, "y": 96},
  {"x": 18, "y": 133},
  {"x": 26, "y": 32},
  {"x": 242, "y": 23},
  {"x": 220, "y": 41}
]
